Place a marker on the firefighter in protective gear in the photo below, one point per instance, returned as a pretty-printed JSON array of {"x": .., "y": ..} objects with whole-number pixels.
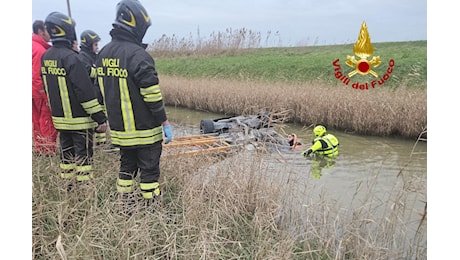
[
  {"x": 76, "y": 112},
  {"x": 134, "y": 103},
  {"x": 325, "y": 149},
  {"x": 88, "y": 50},
  {"x": 324, "y": 144}
]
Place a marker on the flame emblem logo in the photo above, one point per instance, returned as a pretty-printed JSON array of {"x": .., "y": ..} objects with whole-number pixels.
[{"x": 363, "y": 49}]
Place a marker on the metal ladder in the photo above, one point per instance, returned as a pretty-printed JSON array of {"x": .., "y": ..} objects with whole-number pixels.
[{"x": 195, "y": 145}]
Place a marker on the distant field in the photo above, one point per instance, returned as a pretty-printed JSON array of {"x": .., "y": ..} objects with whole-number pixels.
[
  {"x": 311, "y": 64},
  {"x": 302, "y": 80}
]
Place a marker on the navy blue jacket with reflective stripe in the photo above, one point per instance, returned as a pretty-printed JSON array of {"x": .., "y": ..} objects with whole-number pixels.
[
  {"x": 129, "y": 82},
  {"x": 72, "y": 96}
]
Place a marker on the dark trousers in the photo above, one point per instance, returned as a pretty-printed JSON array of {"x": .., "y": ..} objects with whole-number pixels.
[
  {"x": 76, "y": 152},
  {"x": 145, "y": 159}
]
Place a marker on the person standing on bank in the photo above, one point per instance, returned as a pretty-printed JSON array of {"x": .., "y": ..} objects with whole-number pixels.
[
  {"x": 89, "y": 46},
  {"x": 44, "y": 133},
  {"x": 74, "y": 101},
  {"x": 134, "y": 103}
]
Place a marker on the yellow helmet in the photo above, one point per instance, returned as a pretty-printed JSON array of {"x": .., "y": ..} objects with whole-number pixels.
[{"x": 319, "y": 130}]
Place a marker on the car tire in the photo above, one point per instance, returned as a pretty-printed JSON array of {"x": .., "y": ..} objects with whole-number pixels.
[{"x": 207, "y": 126}]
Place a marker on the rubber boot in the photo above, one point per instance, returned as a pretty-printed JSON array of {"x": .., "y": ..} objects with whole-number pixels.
[
  {"x": 128, "y": 203},
  {"x": 152, "y": 205}
]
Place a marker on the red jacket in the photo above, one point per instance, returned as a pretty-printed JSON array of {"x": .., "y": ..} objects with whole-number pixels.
[{"x": 39, "y": 46}]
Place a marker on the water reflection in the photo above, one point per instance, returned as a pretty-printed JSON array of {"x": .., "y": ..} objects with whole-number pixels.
[
  {"x": 319, "y": 163},
  {"x": 370, "y": 173},
  {"x": 359, "y": 156}
]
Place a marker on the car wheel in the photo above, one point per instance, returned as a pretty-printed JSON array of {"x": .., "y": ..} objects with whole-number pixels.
[{"x": 207, "y": 126}]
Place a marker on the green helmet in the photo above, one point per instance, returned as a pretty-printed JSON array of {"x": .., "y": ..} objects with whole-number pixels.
[{"x": 319, "y": 130}]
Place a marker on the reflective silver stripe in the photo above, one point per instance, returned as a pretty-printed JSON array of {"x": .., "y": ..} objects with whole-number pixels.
[
  {"x": 65, "y": 175},
  {"x": 66, "y": 108},
  {"x": 67, "y": 166},
  {"x": 150, "y": 189},
  {"x": 93, "y": 72},
  {"x": 85, "y": 177},
  {"x": 125, "y": 185},
  {"x": 45, "y": 83},
  {"x": 331, "y": 148},
  {"x": 126, "y": 106},
  {"x": 84, "y": 168},
  {"x": 92, "y": 106},
  {"x": 100, "y": 80},
  {"x": 138, "y": 137},
  {"x": 73, "y": 123},
  {"x": 152, "y": 93}
]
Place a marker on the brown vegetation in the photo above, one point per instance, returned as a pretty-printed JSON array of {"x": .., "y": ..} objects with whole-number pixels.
[
  {"x": 379, "y": 111},
  {"x": 250, "y": 210},
  {"x": 230, "y": 39}
]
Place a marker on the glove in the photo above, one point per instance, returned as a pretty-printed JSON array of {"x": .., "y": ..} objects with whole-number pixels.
[
  {"x": 168, "y": 133},
  {"x": 306, "y": 152}
]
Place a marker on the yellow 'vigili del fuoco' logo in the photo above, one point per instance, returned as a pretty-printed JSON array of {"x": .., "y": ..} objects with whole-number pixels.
[
  {"x": 363, "y": 49},
  {"x": 364, "y": 64}
]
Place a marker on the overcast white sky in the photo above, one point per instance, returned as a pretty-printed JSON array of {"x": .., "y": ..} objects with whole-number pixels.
[{"x": 298, "y": 22}]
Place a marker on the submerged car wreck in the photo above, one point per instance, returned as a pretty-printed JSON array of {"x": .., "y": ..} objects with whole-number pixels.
[
  {"x": 256, "y": 129},
  {"x": 250, "y": 132}
]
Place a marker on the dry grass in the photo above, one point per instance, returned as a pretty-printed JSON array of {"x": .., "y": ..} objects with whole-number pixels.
[
  {"x": 223, "y": 207},
  {"x": 382, "y": 111},
  {"x": 217, "y": 42}
]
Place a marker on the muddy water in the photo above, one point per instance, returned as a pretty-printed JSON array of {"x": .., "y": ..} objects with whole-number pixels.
[
  {"x": 379, "y": 174},
  {"x": 359, "y": 155}
]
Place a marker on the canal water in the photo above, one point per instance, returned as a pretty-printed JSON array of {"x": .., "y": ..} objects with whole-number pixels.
[
  {"x": 359, "y": 156},
  {"x": 382, "y": 173}
]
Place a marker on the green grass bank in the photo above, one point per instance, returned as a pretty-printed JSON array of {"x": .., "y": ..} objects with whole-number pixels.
[
  {"x": 296, "y": 64},
  {"x": 303, "y": 81}
]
